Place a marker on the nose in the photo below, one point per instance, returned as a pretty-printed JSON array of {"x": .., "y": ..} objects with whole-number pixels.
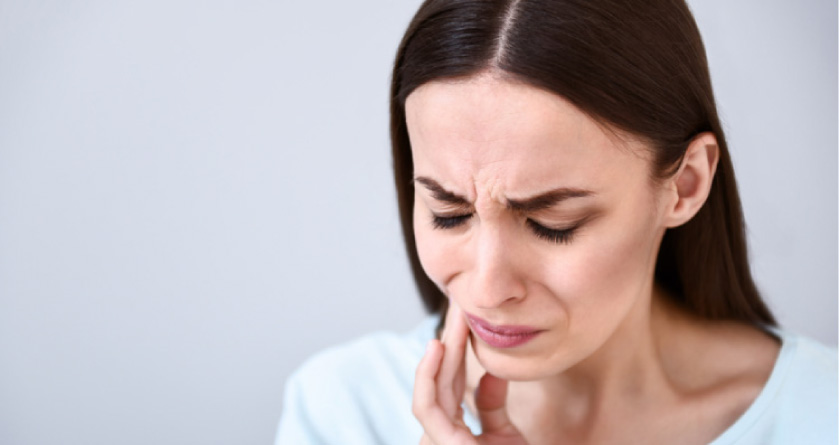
[{"x": 496, "y": 277}]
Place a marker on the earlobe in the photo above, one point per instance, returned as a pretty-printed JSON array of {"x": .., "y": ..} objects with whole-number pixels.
[{"x": 692, "y": 182}]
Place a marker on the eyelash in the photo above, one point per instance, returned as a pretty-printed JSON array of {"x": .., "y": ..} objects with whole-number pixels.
[
  {"x": 556, "y": 236},
  {"x": 449, "y": 222}
]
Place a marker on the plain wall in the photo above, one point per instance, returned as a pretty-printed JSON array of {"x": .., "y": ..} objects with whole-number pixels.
[{"x": 195, "y": 196}]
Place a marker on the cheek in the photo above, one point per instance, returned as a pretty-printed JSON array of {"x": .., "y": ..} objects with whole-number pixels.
[{"x": 609, "y": 275}]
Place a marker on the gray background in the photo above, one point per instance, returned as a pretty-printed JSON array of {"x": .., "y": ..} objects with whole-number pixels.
[{"x": 195, "y": 196}]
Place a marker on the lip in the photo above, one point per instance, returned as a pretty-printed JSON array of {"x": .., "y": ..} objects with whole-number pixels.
[{"x": 501, "y": 336}]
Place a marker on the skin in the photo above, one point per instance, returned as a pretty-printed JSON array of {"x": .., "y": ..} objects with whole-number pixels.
[{"x": 614, "y": 361}]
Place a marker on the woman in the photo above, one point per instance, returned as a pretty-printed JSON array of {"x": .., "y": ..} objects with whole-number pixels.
[{"x": 568, "y": 202}]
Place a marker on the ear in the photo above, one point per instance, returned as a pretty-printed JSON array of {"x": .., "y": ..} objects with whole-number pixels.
[{"x": 691, "y": 184}]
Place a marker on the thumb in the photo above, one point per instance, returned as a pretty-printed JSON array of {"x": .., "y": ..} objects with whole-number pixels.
[{"x": 491, "y": 402}]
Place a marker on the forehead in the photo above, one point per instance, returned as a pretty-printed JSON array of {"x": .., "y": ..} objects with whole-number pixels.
[{"x": 515, "y": 135}]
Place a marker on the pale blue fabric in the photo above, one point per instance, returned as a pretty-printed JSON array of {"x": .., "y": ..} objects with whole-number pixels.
[{"x": 360, "y": 393}]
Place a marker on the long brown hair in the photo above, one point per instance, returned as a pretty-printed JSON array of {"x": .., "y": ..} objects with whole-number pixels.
[{"x": 639, "y": 66}]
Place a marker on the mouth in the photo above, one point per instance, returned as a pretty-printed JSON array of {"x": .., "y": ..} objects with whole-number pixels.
[{"x": 501, "y": 336}]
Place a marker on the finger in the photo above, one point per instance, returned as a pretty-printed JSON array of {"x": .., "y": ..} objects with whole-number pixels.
[
  {"x": 459, "y": 386},
  {"x": 425, "y": 386},
  {"x": 491, "y": 402},
  {"x": 455, "y": 338},
  {"x": 437, "y": 424},
  {"x": 439, "y": 427},
  {"x": 451, "y": 377}
]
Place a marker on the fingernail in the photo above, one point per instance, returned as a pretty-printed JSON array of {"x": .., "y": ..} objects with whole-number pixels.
[{"x": 428, "y": 346}]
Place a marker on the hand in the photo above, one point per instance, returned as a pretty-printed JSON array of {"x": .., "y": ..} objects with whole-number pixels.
[{"x": 439, "y": 388}]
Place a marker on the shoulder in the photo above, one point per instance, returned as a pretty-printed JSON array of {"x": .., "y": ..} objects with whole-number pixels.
[
  {"x": 809, "y": 380},
  {"x": 804, "y": 383},
  {"x": 380, "y": 352},
  {"x": 357, "y": 392},
  {"x": 799, "y": 401}
]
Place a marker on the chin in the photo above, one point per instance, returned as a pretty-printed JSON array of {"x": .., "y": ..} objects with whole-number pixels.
[{"x": 512, "y": 367}]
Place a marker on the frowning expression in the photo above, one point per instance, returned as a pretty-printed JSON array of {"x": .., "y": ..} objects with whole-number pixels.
[{"x": 528, "y": 213}]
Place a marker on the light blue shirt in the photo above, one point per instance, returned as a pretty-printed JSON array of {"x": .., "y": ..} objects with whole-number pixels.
[{"x": 360, "y": 393}]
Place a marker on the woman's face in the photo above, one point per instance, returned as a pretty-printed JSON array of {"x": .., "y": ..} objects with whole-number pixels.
[{"x": 533, "y": 218}]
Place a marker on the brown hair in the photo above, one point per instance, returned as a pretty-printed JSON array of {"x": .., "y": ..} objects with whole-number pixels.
[{"x": 638, "y": 66}]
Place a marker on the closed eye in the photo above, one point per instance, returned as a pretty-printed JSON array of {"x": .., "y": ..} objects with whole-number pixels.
[
  {"x": 557, "y": 236},
  {"x": 449, "y": 222}
]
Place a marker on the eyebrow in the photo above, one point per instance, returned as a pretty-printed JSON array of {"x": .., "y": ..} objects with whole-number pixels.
[
  {"x": 541, "y": 201},
  {"x": 440, "y": 193},
  {"x": 547, "y": 200}
]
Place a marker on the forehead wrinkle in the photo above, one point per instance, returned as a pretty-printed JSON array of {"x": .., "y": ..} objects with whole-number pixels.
[
  {"x": 490, "y": 187},
  {"x": 501, "y": 139}
]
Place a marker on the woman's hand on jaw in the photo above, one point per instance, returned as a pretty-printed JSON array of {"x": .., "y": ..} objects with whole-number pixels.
[{"x": 439, "y": 389}]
